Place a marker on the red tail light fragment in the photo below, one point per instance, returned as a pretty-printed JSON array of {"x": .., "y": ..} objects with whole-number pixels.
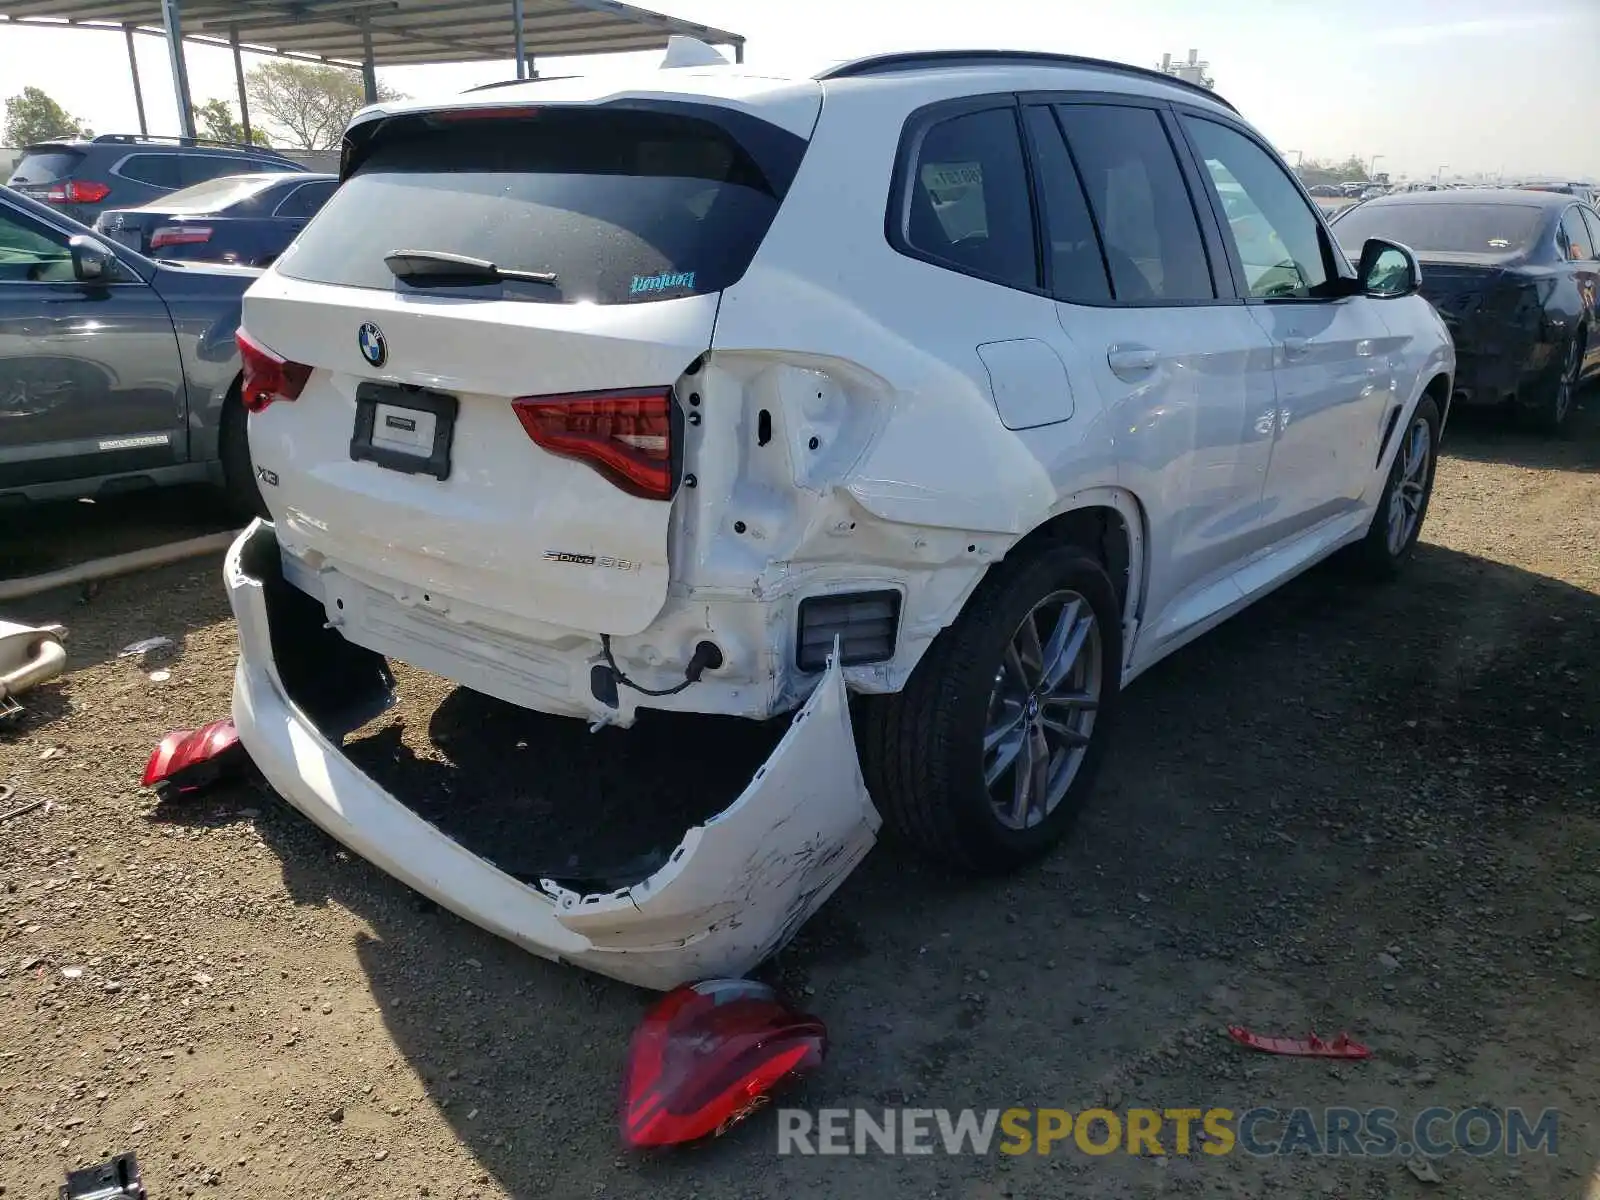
[
  {"x": 191, "y": 759},
  {"x": 625, "y": 435},
  {"x": 707, "y": 1056},
  {"x": 268, "y": 376}
]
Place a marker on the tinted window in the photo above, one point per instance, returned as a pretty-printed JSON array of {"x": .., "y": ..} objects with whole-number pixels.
[
  {"x": 1271, "y": 225},
  {"x": 1592, "y": 221},
  {"x": 158, "y": 170},
  {"x": 1580, "y": 246},
  {"x": 214, "y": 194},
  {"x": 622, "y": 205},
  {"x": 31, "y": 253},
  {"x": 276, "y": 165},
  {"x": 1077, "y": 270},
  {"x": 1445, "y": 227},
  {"x": 45, "y": 166},
  {"x": 1140, "y": 202},
  {"x": 197, "y": 168},
  {"x": 967, "y": 201},
  {"x": 302, "y": 202}
]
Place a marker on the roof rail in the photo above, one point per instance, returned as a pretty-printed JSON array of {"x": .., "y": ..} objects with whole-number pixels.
[
  {"x": 911, "y": 60},
  {"x": 133, "y": 139}
]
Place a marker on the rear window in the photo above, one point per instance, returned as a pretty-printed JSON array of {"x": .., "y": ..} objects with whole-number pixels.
[
  {"x": 1443, "y": 228},
  {"x": 215, "y": 194},
  {"x": 621, "y": 205},
  {"x": 45, "y": 166}
]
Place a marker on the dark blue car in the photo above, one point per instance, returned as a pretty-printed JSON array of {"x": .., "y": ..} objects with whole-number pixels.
[{"x": 244, "y": 219}]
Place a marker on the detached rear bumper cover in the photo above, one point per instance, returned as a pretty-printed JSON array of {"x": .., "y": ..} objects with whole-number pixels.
[{"x": 734, "y": 891}]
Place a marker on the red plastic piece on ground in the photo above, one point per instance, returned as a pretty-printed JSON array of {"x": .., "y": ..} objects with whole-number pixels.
[
  {"x": 1310, "y": 1046},
  {"x": 191, "y": 758},
  {"x": 707, "y": 1056}
]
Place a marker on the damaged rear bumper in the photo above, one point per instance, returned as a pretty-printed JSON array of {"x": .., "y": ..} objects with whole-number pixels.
[{"x": 734, "y": 890}]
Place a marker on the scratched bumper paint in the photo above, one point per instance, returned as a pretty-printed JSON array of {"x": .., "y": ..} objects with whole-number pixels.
[{"x": 733, "y": 892}]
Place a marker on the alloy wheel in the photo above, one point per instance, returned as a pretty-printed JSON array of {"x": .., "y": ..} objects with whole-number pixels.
[
  {"x": 1042, "y": 709},
  {"x": 1410, "y": 491}
]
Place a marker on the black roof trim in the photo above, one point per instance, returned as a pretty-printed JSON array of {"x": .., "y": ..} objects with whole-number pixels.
[
  {"x": 912, "y": 60},
  {"x": 199, "y": 143}
]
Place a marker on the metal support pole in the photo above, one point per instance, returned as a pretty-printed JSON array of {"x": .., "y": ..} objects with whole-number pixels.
[
  {"x": 521, "y": 36},
  {"x": 738, "y": 52},
  {"x": 172, "y": 20},
  {"x": 369, "y": 69},
  {"x": 238, "y": 79},
  {"x": 138, "y": 92}
]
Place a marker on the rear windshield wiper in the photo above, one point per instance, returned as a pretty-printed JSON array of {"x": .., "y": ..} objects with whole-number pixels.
[{"x": 436, "y": 268}]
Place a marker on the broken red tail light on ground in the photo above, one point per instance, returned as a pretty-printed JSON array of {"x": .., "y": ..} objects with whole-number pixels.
[
  {"x": 1310, "y": 1046},
  {"x": 191, "y": 759},
  {"x": 268, "y": 376},
  {"x": 625, "y": 435},
  {"x": 708, "y": 1055}
]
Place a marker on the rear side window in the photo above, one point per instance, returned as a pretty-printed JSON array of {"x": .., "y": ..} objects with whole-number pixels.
[
  {"x": 1140, "y": 201},
  {"x": 1077, "y": 268},
  {"x": 303, "y": 202},
  {"x": 1592, "y": 222},
  {"x": 45, "y": 166},
  {"x": 158, "y": 170},
  {"x": 967, "y": 200},
  {"x": 198, "y": 168},
  {"x": 622, "y": 205},
  {"x": 1580, "y": 246}
]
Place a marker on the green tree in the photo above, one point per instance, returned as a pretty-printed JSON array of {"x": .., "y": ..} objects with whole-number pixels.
[
  {"x": 309, "y": 103},
  {"x": 214, "y": 119},
  {"x": 31, "y": 116}
]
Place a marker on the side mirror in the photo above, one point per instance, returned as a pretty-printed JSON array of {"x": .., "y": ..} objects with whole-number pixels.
[
  {"x": 1388, "y": 270},
  {"x": 93, "y": 261}
]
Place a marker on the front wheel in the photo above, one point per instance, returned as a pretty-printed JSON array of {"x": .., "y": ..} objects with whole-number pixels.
[
  {"x": 986, "y": 756},
  {"x": 1403, "y": 506}
]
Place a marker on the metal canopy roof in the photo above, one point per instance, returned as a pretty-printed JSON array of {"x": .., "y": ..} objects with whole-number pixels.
[{"x": 401, "y": 31}]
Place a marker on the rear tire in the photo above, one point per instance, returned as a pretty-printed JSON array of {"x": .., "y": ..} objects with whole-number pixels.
[
  {"x": 935, "y": 755},
  {"x": 239, "y": 485},
  {"x": 1554, "y": 401},
  {"x": 1403, "y": 506}
]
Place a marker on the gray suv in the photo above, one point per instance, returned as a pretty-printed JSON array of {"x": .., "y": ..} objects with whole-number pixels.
[
  {"x": 116, "y": 371},
  {"x": 82, "y": 177}
]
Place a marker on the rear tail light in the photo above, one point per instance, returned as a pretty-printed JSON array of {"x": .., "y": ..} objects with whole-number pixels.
[
  {"x": 180, "y": 235},
  {"x": 193, "y": 758},
  {"x": 624, "y": 435},
  {"x": 267, "y": 376},
  {"x": 77, "y": 191},
  {"x": 707, "y": 1056},
  {"x": 864, "y": 622}
]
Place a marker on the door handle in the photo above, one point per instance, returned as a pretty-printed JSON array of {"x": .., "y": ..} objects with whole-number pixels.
[
  {"x": 1131, "y": 361},
  {"x": 1296, "y": 347}
]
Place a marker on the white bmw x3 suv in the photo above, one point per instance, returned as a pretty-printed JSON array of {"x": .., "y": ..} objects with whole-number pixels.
[{"x": 968, "y": 383}]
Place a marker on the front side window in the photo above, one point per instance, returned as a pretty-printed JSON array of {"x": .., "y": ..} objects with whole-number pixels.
[
  {"x": 1141, "y": 204},
  {"x": 967, "y": 200},
  {"x": 31, "y": 253},
  {"x": 1277, "y": 236}
]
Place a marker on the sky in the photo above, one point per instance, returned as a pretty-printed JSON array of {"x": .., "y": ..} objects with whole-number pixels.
[{"x": 1432, "y": 87}]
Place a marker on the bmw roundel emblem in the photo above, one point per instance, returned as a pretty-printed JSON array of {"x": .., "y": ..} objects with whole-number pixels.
[{"x": 373, "y": 347}]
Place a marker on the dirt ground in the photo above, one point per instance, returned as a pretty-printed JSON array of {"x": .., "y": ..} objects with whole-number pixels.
[{"x": 1353, "y": 807}]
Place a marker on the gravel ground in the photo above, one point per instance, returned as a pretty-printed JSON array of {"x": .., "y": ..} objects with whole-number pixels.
[{"x": 1356, "y": 808}]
